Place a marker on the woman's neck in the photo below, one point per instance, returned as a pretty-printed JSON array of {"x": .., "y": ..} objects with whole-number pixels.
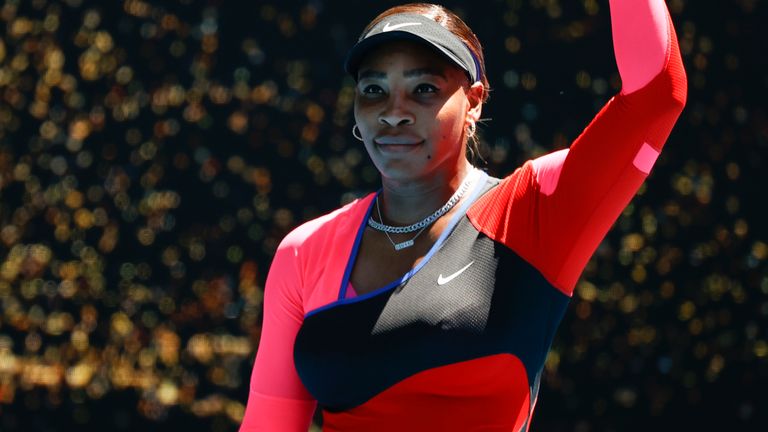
[{"x": 404, "y": 202}]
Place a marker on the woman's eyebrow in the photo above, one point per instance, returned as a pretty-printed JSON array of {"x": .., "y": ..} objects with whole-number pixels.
[
  {"x": 424, "y": 71},
  {"x": 371, "y": 73}
]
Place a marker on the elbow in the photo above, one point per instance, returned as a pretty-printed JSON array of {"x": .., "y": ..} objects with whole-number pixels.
[
  {"x": 678, "y": 95},
  {"x": 672, "y": 82},
  {"x": 675, "y": 94},
  {"x": 675, "y": 72}
]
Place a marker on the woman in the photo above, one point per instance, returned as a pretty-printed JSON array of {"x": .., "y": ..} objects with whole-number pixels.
[{"x": 431, "y": 304}]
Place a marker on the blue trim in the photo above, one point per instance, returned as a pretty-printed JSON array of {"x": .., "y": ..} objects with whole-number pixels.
[
  {"x": 355, "y": 247},
  {"x": 476, "y": 190},
  {"x": 534, "y": 392},
  {"x": 447, "y": 231},
  {"x": 478, "y": 70}
]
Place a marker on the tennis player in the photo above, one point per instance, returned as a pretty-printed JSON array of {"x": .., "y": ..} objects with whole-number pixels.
[{"x": 431, "y": 304}]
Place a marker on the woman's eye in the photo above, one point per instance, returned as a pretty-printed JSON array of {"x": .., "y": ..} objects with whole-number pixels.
[
  {"x": 373, "y": 89},
  {"x": 426, "y": 88}
]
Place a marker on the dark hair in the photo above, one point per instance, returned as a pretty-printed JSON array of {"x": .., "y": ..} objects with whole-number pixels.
[{"x": 458, "y": 27}]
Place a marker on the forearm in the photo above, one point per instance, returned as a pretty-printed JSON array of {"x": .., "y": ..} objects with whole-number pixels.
[
  {"x": 265, "y": 413},
  {"x": 641, "y": 40}
]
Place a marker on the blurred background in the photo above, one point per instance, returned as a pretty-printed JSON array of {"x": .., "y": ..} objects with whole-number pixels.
[{"x": 153, "y": 154}]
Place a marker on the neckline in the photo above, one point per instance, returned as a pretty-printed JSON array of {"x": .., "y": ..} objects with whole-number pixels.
[{"x": 477, "y": 188}]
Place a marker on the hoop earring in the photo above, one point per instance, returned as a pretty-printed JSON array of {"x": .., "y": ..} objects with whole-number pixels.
[
  {"x": 357, "y": 135},
  {"x": 471, "y": 129}
]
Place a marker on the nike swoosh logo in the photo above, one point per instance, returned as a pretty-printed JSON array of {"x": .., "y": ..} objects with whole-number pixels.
[
  {"x": 444, "y": 280},
  {"x": 390, "y": 27}
]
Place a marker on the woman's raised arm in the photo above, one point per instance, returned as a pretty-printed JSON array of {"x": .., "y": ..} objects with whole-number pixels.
[{"x": 555, "y": 210}]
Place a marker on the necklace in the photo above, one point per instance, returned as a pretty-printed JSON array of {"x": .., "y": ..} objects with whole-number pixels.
[
  {"x": 401, "y": 245},
  {"x": 421, "y": 225}
]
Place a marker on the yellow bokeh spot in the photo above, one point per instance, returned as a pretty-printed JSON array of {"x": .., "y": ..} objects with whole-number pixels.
[
  {"x": 69, "y": 270},
  {"x": 761, "y": 349},
  {"x": 103, "y": 41},
  {"x": 587, "y": 291},
  {"x": 167, "y": 393},
  {"x": 74, "y": 199},
  {"x": 79, "y": 376},
  {"x": 80, "y": 129},
  {"x": 84, "y": 218},
  {"x": 687, "y": 310},
  {"x": 121, "y": 324}
]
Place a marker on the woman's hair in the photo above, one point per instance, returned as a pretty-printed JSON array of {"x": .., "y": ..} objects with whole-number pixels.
[{"x": 455, "y": 25}]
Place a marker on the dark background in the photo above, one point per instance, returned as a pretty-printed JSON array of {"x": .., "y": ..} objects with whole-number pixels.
[{"x": 153, "y": 154}]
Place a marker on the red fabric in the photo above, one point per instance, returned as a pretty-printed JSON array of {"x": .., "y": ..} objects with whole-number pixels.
[
  {"x": 556, "y": 225},
  {"x": 485, "y": 394},
  {"x": 552, "y": 212}
]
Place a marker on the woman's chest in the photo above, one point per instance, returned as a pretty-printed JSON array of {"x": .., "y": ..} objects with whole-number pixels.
[{"x": 470, "y": 299}]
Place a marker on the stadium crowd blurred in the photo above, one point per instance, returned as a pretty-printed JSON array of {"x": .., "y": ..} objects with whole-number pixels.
[{"x": 153, "y": 154}]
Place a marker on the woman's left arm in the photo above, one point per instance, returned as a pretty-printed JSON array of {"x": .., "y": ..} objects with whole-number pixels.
[
  {"x": 555, "y": 210},
  {"x": 583, "y": 190}
]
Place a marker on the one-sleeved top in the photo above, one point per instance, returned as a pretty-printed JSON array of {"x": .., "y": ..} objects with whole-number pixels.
[{"x": 459, "y": 342}]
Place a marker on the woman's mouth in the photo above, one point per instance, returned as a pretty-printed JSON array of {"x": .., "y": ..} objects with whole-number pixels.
[
  {"x": 397, "y": 144},
  {"x": 397, "y": 148}
]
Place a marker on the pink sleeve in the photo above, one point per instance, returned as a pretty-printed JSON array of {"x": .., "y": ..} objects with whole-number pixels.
[
  {"x": 278, "y": 400},
  {"x": 641, "y": 40}
]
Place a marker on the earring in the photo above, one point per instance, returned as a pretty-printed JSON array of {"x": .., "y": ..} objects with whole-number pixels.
[
  {"x": 356, "y": 134},
  {"x": 471, "y": 129}
]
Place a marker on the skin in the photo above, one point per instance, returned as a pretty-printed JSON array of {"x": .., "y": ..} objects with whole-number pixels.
[{"x": 412, "y": 107}]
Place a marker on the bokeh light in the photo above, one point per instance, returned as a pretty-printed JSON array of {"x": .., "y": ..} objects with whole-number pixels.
[{"x": 153, "y": 154}]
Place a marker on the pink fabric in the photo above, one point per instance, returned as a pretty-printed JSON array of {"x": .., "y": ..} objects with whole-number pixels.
[
  {"x": 350, "y": 291},
  {"x": 267, "y": 414},
  {"x": 305, "y": 274},
  {"x": 641, "y": 40},
  {"x": 548, "y": 169},
  {"x": 645, "y": 158}
]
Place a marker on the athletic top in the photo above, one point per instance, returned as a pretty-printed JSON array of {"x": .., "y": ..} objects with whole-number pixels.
[{"x": 459, "y": 342}]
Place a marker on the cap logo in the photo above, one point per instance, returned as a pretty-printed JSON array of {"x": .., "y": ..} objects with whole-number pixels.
[{"x": 390, "y": 26}]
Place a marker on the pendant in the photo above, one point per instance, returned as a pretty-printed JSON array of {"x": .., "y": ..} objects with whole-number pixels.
[{"x": 403, "y": 245}]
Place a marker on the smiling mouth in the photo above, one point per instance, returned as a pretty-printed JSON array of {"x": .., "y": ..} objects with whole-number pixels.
[
  {"x": 399, "y": 147},
  {"x": 396, "y": 144}
]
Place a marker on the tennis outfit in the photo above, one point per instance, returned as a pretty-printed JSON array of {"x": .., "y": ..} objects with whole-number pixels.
[{"x": 459, "y": 342}]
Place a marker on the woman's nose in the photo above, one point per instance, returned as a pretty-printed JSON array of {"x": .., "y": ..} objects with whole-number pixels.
[{"x": 396, "y": 115}]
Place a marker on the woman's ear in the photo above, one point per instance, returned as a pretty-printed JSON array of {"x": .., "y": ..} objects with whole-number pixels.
[{"x": 475, "y": 96}]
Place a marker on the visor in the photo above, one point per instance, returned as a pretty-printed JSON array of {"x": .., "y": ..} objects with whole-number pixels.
[{"x": 407, "y": 26}]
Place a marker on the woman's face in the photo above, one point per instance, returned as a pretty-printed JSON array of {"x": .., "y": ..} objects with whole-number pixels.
[{"x": 412, "y": 107}]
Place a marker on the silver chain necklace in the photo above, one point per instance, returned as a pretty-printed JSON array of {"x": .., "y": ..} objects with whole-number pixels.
[
  {"x": 401, "y": 245},
  {"x": 421, "y": 225}
]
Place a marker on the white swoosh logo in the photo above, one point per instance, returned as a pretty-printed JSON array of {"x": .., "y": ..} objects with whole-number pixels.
[
  {"x": 389, "y": 27},
  {"x": 444, "y": 280}
]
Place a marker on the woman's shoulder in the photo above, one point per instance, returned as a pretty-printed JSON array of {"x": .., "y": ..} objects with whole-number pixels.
[{"x": 329, "y": 225}]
